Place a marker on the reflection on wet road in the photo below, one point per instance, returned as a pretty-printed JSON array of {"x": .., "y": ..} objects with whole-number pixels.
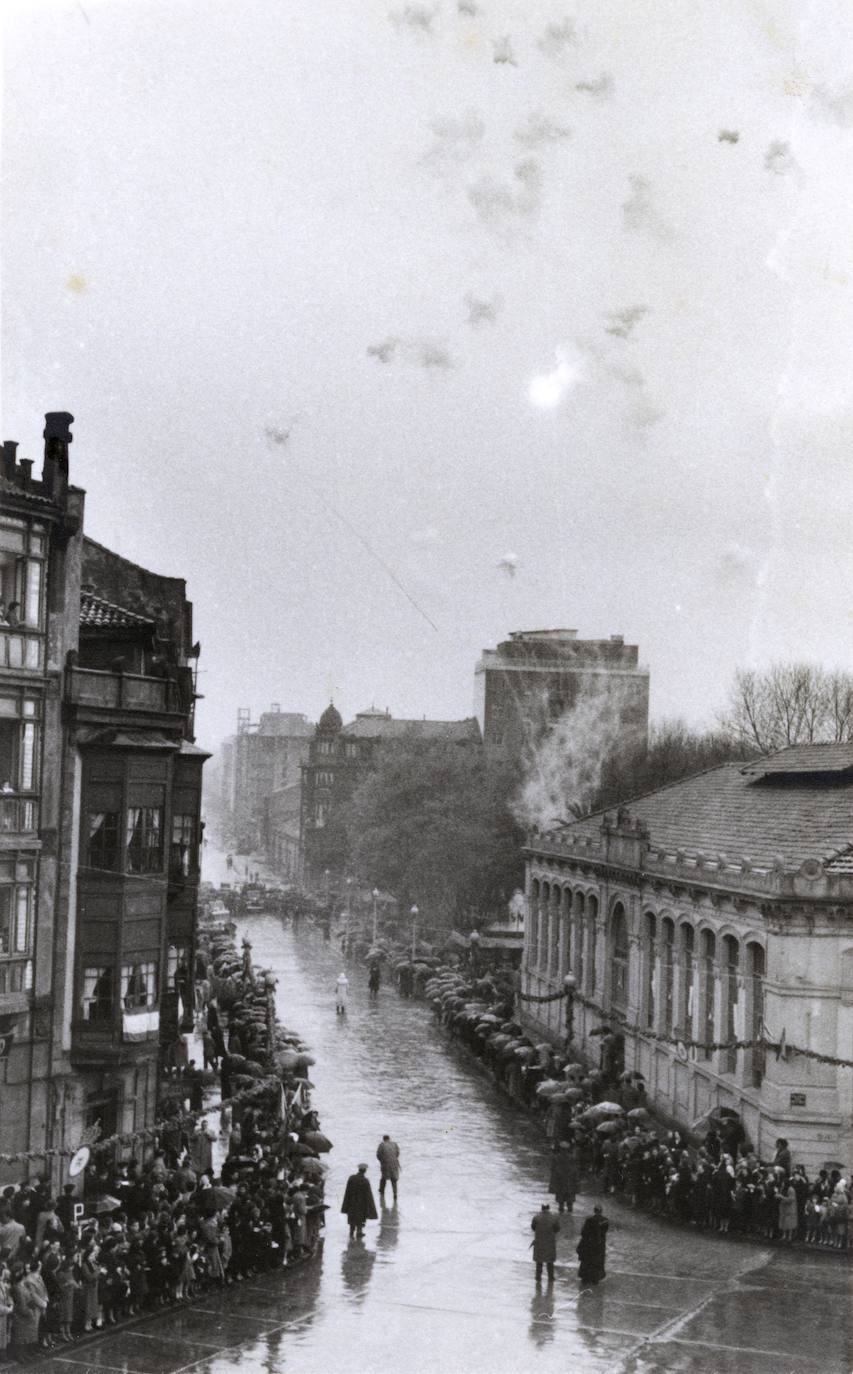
[{"x": 444, "y": 1281}]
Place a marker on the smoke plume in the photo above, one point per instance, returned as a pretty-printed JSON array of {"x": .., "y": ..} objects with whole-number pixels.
[{"x": 564, "y": 767}]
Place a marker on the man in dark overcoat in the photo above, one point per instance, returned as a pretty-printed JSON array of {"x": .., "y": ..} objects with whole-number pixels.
[
  {"x": 544, "y": 1227},
  {"x": 358, "y": 1203},
  {"x": 591, "y": 1247},
  {"x": 564, "y": 1175}
]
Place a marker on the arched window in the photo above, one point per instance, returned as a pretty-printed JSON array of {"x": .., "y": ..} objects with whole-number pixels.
[
  {"x": 554, "y": 930},
  {"x": 619, "y": 956},
  {"x": 686, "y": 994},
  {"x": 668, "y": 960},
  {"x": 533, "y": 918},
  {"x": 708, "y": 1008},
  {"x": 565, "y": 933},
  {"x": 756, "y": 965},
  {"x": 591, "y": 939},
  {"x": 650, "y": 969},
  {"x": 578, "y": 904},
  {"x": 731, "y": 961}
]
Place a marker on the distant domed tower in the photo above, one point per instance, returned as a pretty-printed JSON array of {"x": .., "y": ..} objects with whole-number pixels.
[{"x": 330, "y": 722}]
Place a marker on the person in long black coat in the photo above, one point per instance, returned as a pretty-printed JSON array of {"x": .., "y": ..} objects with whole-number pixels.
[
  {"x": 358, "y": 1203},
  {"x": 591, "y": 1247}
]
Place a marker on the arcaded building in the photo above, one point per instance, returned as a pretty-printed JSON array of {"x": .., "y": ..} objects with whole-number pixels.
[
  {"x": 536, "y": 677},
  {"x": 717, "y": 910}
]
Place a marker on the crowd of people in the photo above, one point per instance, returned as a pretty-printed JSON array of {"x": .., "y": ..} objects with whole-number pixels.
[
  {"x": 157, "y": 1230},
  {"x": 600, "y": 1125}
]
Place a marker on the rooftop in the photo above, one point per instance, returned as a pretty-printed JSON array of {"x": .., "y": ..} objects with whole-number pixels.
[
  {"x": 381, "y": 726},
  {"x": 95, "y": 612},
  {"x": 792, "y": 806}
]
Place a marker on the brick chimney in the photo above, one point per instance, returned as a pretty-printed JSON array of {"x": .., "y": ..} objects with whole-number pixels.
[
  {"x": 57, "y": 437},
  {"x": 10, "y": 448}
]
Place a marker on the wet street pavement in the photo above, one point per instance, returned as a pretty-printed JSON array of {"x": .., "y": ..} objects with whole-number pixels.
[{"x": 444, "y": 1281}]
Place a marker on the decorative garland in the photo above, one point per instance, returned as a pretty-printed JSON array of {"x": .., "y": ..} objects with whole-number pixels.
[
  {"x": 146, "y": 1133},
  {"x": 781, "y": 1047}
]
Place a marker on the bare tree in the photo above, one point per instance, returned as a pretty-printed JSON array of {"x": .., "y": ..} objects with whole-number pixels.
[{"x": 789, "y": 703}]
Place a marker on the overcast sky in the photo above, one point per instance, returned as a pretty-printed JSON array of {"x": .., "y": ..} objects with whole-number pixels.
[{"x": 396, "y": 326}]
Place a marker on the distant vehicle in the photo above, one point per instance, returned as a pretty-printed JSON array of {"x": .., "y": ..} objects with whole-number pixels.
[{"x": 253, "y": 898}]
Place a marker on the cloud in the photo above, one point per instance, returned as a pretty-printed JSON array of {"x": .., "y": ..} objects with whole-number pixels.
[
  {"x": 558, "y": 36},
  {"x": 501, "y": 205},
  {"x": 482, "y": 312},
  {"x": 503, "y": 53},
  {"x": 456, "y": 140},
  {"x": 416, "y": 352},
  {"x": 623, "y": 322},
  {"x": 600, "y": 87},
  {"x": 508, "y": 564},
  {"x": 639, "y": 214},
  {"x": 728, "y": 136},
  {"x": 419, "y": 18},
  {"x": 548, "y": 389},
  {"x": 779, "y": 159},
  {"x": 833, "y": 106},
  {"x": 540, "y": 129}
]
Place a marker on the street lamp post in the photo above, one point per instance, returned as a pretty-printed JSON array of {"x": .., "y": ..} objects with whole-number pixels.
[
  {"x": 414, "y": 915},
  {"x": 569, "y": 985},
  {"x": 375, "y": 895},
  {"x": 346, "y": 931}
]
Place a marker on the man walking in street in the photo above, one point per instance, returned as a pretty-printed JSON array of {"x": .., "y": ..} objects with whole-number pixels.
[
  {"x": 544, "y": 1227},
  {"x": 341, "y": 990},
  {"x": 388, "y": 1155},
  {"x": 564, "y": 1176},
  {"x": 358, "y": 1203}
]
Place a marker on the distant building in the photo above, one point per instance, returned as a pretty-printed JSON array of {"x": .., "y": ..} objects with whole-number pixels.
[
  {"x": 100, "y": 800},
  {"x": 338, "y": 759},
  {"x": 262, "y": 759},
  {"x": 717, "y": 909},
  {"x": 536, "y": 676}
]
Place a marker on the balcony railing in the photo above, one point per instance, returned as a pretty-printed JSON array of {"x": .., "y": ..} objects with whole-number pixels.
[
  {"x": 120, "y": 691},
  {"x": 17, "y": 815},
  {"x": 21, "y": 648}
]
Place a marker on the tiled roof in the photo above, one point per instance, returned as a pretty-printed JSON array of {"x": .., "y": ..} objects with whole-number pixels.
[
  {"x": 727, "y": 811},
  {"x": 95, "y": 612},
  {"x": 24, "y": 493},
  {"x": 383, "y": 727},
  {"x": 804, "y": 758}
]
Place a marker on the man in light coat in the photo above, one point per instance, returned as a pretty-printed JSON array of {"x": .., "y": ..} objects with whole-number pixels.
[{"x": 388, "y": 1155}]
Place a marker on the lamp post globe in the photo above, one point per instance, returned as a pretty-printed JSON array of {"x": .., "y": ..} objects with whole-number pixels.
[{"x": 414, "y": 913}]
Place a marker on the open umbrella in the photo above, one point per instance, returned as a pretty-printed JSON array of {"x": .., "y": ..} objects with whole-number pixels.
[
  {"x": 319, "y": 1142},
  {"x": 609, "y": 1127},
  {"x": 608, "y": 1108},
  {"x": 105, "y": 1203},
  {"x": 572, "y": 1094},
  {"x": 571, "y": 1070},
  {"x": 548, "y": 1087},
  {"x": 216, "y": 1198},
  {"x": 638, "y": 1114},
  {"x": 313, "y": 1167}
]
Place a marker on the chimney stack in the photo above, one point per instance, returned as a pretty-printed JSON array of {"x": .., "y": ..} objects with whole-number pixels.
[
  {"x": 10, "y": 448},
  {"x": 25, "y": 468},
  {"x": 57, "y": 437}
]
